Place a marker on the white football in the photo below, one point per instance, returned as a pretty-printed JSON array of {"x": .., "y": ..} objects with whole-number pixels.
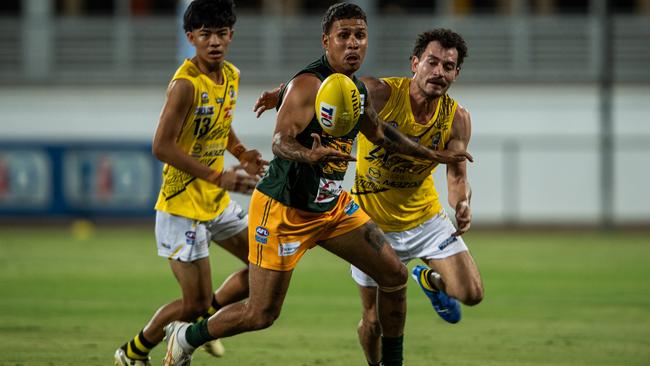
[{"x": 338, "y": 105}]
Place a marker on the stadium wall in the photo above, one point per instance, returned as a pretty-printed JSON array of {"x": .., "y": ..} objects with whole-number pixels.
[{"x": 536, "y": 148}]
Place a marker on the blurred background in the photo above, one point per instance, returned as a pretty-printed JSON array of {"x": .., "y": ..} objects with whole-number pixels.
[{"x": 559, "y": 93}]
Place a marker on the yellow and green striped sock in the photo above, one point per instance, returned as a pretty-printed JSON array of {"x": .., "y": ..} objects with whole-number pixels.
[
  {"x": 425, "y": 279},
  {"x": 138, "y": 348}
]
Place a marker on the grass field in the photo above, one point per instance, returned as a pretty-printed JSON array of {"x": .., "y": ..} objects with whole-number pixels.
[{"x": 551, "y": 299}]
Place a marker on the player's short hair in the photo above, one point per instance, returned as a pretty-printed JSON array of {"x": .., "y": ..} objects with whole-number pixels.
[
  {"x": 340, "y": 11},
  {"x": 209, "y": 14},
  {"x": 447, "y": 39}
]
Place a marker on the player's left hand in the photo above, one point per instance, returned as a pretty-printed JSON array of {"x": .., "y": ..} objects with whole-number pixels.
[
  {"x": 463, "y": 217},
  {"x": 268, "y": 100},
  {"x": 324, "y": 154},
  {"x": 252, "y": 162},
  {"x": 450, "y": 156}
]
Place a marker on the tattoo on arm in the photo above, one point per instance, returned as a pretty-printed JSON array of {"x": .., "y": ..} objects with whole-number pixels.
[
  {"x": 396, "y": 141},
  {"x": 374, "y": 236},
  {"x": 287, "y": 147}
]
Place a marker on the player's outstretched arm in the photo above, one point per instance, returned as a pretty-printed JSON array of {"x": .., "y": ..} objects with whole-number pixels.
[
  {"x": 268, "y": 100},
  {"x": 391, "y": 139},
  {"x": 459, "y": 191},
  {"x": 295, "y": 113}
]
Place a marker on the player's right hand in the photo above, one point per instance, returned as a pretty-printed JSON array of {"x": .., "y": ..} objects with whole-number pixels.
[
  {"x": 268, "y": 100},
  {"x": 320, "y": 153},
  {"x": 235, "y": 179}
]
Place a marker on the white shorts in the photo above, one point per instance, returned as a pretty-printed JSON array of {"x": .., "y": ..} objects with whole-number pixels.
[
  {"x": 187, "y": 240},
  {"x": 430, "y": 240}
]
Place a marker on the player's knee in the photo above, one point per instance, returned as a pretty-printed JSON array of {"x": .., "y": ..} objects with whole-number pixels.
[
  {"x": 473, "y": 295},
  {"x": 476, "y": 295},
  {"x": 393, "y": 278},
  {"x": 262, "y": 319}
]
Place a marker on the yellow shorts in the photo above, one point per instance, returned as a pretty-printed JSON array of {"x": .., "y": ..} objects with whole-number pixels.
[{"x": 279, "y": 235}]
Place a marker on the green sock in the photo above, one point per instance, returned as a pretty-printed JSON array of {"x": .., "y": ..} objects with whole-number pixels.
[
  {"x": 392, "y": 350},
  {"x": 197, "y": 334}
]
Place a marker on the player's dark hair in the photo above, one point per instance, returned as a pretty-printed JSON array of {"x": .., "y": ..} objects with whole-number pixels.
[
  {"x": 209, "y": 14},
  {"x": 340, "y": 11},
  {"x": 447, "y": 38}
]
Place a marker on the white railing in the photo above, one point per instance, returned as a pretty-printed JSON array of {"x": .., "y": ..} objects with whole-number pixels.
[{"x": 266, "y": 49}]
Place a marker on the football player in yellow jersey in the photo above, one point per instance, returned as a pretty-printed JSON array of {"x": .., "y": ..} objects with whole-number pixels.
[
  {"x": 299, "y": 203},
  {"x": 397, "y": 191},
  {"x": 406, "y": 206},
  {"x": 194, "y": 207}
]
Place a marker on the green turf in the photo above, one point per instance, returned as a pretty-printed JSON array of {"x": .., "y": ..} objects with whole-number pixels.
[{"x": 551, "y": 299}]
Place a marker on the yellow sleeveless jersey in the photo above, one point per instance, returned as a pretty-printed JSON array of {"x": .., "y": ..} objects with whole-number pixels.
[
  {"x": 204, "y": 136},
  {"x": 396, "y": 190}
]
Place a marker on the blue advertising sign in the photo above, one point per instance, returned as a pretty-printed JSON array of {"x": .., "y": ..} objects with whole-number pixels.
[
  {"x": 101, "y": 180},
  {"x": 75, "y": 179},
  {"x": 25, "y": 179}
]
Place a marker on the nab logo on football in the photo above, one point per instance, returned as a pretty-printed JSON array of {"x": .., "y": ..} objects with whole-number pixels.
[
  {"x": 356, "y": 103},
  {"x": 327, "y": 113}
]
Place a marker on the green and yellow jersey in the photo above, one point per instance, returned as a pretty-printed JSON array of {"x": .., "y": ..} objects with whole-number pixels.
[
  {"x": 312, "y": 187},
  {"x": 396, "y": 190},
  {"x": 204, "y": 136}
]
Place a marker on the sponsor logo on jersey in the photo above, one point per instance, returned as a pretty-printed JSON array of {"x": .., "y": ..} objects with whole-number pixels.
[
  {"x": 328, "y": 190},
  {"x": 219, "y": 100},
  {"x": 227, "y": 113},
  {"x": 261, "y": 234},
  {"x": 196, "y": 150},
  {"x": 287, "y": 249},
  {"x": 374, "y": 173},
  {"x": 351, "y": 208},
  {"x": 204, "y": 97},
  {"x": 190, "y": 237},
  {"x": 327, "y": 113},
  {"x": 207, "y": 110}
]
